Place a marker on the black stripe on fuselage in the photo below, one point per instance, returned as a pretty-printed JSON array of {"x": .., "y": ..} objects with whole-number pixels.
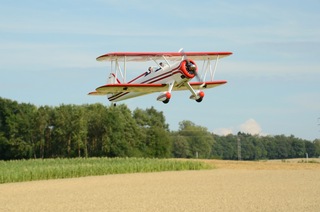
[{"x": 149, "y": 81}]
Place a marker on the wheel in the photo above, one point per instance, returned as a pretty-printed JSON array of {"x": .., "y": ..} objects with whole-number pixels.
[
  {"x": 166, "y": 101},
  {"x": 199, "y": 100}
]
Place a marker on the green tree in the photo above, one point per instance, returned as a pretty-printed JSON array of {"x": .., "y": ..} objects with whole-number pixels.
[
  {"x": 217, "y": 148},
  {"x": 6, "y": 109},
  {"x": 181, "y": 148},
  {"x": 298, "y": 147},
  {"x": 123, "y": 133},
  {"x": 41, "y": 130},
  {"x": 310, "y": 148},
  {"x": 150, "y": 117},
  {"x": 199, "y": 139},
  {"x": 156, "y": 141},
  {"x": 260, "y": 149},
  {"x": 21, "y": 132},
  {"x": 80, "y": 131},
  {"x": 230, "y": 148},
  {"x": 98, "y": 140},
  {"x": 5, "y": 153},
  {"x": 65, "y": 131},
  {"x": 316, "y": 143},
  {"x": 271, "y": 147},
  {"x": 27, "y": 131}
]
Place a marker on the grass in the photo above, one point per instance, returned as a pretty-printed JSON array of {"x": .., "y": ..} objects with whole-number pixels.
[{"x": 44, "y": 169}]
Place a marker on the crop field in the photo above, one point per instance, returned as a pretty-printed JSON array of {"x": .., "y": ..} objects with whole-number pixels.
[
  {"x": 30, "y": 170},
  {"x": 280, "y": 185}
]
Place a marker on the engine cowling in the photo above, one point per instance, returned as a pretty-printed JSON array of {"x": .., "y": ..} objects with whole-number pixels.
[
  {"x": 164, "y": 97},
  {"x": 188, "y": 68}
]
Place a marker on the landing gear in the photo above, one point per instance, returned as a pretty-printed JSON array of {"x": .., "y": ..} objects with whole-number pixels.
[{"x": 165, "y": 96}]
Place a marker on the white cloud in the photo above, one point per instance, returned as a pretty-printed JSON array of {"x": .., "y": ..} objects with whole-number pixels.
[
  {"x": 250, "y": 126},
  {"x": 223, "y": 131}
]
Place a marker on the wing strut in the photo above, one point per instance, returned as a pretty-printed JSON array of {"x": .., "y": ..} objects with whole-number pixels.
[
  {"x": 125, "y": 69},
  {"x": 214, "y": 69},
  {"x": 207, "y": 67},
  {"x": 166, "y": 61},
  {"x": 116, "y": 69}
]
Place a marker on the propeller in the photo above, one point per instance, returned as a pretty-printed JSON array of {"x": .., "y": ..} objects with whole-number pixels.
[{"x": 192, "y": 68}]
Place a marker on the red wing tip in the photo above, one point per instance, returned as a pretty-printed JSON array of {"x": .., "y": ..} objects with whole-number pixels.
[
  {"x": 96, "y": 93},
  {"x": 92, "y": 93}
]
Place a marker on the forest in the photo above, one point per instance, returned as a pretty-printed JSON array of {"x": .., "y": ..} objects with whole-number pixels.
[{"x": 95, "y": 130}]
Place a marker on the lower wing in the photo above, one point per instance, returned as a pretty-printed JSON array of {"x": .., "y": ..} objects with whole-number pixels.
[
  {"x": 201, "y": 85},
  {"x": 151, "y": 88}
]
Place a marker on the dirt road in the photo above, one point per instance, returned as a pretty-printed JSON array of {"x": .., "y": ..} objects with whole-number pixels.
[{"x": 227, "y": 188}]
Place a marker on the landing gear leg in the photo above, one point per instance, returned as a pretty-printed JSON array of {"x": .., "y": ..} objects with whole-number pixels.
[
  {"x": 198, "y": 96},
  {"x": 171, "y": 84}
]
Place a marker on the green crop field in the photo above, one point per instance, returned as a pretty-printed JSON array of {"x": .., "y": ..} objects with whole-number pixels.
[{"x": 44, "y": 169}]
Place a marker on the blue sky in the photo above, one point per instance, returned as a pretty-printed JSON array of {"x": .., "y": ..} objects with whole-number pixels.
[{"x": 48, "y": 51}]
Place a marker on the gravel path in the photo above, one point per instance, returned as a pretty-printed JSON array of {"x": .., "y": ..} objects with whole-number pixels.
[{"x": 222, "y": 189}]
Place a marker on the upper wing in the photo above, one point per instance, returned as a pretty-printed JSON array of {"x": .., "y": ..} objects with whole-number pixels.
[
  {"x": 146, "y": 56},
  {"x": 150, "y": 88}
]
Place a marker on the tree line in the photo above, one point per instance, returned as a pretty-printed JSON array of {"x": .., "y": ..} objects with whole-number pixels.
[{"x": 95, "y": 130}]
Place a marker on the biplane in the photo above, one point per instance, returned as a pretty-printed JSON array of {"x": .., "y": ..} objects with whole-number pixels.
[{"x": 173, "y": 71}]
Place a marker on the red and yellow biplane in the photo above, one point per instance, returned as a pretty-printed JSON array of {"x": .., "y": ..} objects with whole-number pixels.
[{"x": 173, "y": 72}]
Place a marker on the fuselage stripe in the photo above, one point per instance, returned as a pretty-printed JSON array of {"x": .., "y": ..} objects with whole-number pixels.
[{"x": 149, "y": 81}]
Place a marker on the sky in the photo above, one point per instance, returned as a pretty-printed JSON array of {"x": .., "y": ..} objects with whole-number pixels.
[{"x": 48, "y": 53}]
